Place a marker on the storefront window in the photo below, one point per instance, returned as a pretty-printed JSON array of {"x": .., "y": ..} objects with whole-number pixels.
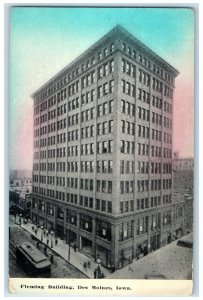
[
  {"x": 50, "y": 209},
  {"x": 60, "y": 214},
  {"x": 103, "y": 230},
  {"x": 41, "y": 205},
  {"x": 71, "y": 217},
  {"x": 126, "y": 230},
  {"x": 125, "y": 257},
  {"x": 86, "y": 223}
]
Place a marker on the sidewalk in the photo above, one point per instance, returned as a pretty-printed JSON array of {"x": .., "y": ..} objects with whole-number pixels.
[{"x": 77, "y": 259}]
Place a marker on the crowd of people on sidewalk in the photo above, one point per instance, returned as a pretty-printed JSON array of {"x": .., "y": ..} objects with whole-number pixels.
[{"x": 47, "y": 239}]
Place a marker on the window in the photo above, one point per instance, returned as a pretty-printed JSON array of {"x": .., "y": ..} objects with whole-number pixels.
[
  {"x": 104, "y": 166},
  {"x": 110, "y": 146},
  {"x": 123, "y": 126},
  {"x": 124, "y": 47},
  {"x": 111, "y": 66},
  {"x": 103, "y": 186},
  {"x": 110, "y": 166},
  {"x": 123, "y": 86},
  {"x": 103, "y": 205},
  {"x": 122, "y": 187},
  {"x": 110, "y": 126},
  {"x": 105, "y": 89},
  {"x": 105, "y": 52},
  {"x": 109, "y": 207},
  {"x": 97, "y": 204},
  {"x": 98, "y": 186},
  {"x": 112, "y": 48},
  {"x": 104, "y": 147},
  {"x": 105, "y": 108},
  {"x": 99, "y": 56},
  {"x": 128, "y": 88},
  {"x": 122, "y": 106},
  {"x": 106, "y": 69},
  {"x": 99, "y": 91},
  {"x": 109, "y": 186},
  {"x": 99, "y": 110},
  {"x": 111, "y": 106},
  {"x": 111, "y": 86}
]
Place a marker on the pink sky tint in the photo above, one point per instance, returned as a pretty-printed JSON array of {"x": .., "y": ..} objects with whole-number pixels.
[
  {"x": 183, "y": 115},
  {"x": 24, "y": 136}
]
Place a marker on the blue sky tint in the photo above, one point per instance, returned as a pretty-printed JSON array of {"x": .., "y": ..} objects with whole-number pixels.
[{"x": 44, "y": 40}]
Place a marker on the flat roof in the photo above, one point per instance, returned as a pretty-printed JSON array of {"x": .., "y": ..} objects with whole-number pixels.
[
  {"x": 36, "y": 255},
  {"x": 169, "y": 262}
]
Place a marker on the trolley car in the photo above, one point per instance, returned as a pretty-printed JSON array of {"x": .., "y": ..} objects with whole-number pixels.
[{"x": 32, "y": 260}]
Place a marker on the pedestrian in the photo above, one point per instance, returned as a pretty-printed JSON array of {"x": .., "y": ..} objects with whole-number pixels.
[
  {"x": 47, "y": 232},
  {"x": 85, "y": 266},
  {"x": 52, "y": 259},
  {"x": 56, "y": 241},
  {"x": 47, "y": 242},
  {"x": 95, "y": 273},
  {"x": 75, "y": 247},
  {"x": 45, "y": 250},
  {"x": 35, "y": 231},
  {"x": 89, "y": 264}
]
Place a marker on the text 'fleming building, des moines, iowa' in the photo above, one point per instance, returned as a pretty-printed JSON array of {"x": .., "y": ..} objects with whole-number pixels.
[{"x": 102, "y": 169}]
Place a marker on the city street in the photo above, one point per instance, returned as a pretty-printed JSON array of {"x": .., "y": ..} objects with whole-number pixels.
[{"x": 60, "y": 267}]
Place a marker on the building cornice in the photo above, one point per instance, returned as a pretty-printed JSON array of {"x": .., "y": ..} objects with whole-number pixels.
[{"x": 117, "y": 32}]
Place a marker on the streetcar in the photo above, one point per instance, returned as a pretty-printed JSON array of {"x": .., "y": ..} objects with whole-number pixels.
[{"x": 33, "y": 261}]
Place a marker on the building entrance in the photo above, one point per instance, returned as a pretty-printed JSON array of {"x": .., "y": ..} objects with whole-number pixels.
[
  {"x": 104, "y": 255},
  {"x": 155, "y": 242},
  {"x": 71, "y": 238},
  {"x": 59, "y": 231},
  {"x": 125, "y": 257},
  {"x": 86, "y": 246}
]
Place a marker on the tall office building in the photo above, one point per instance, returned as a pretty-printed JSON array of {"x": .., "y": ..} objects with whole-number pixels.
[{"x": 102, "y": 169}]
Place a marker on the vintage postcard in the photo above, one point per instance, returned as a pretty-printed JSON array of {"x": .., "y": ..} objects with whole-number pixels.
[{"x": 101, "y": 151}]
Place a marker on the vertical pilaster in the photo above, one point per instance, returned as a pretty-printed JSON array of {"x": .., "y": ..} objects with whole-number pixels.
[
  {"x": 149, "y": 235},
  {"x": 64, "y": 224},
  {"x": 54, "y": 225},
  {"x": 78, "y": 232},
  {"x": 115, "y": 246},
  {"x": 161, "y": 228},
  {"x": 116, "y": 138},
  {"x": 94, "y": 238},
  {"x": 45, "y": 214}
]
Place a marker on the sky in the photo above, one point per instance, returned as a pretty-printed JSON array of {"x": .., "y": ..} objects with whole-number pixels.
[{"x": 45, "y": 40}]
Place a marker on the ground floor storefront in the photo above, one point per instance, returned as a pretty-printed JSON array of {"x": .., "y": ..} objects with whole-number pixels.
[{"x": 113, "y": 242}]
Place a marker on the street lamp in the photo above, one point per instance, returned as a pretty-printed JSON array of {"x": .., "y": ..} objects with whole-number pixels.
[
  {"x": 42, "y": 233},
  {"x": 52, "y": 235},
  {"x": 99, "y": 264}
]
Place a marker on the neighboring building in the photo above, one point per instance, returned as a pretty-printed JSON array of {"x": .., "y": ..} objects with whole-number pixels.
[
  {"x": 20, "y": 191},
  {"x": 21, "y": 181},
  {"x": 14, "y": 197},
  {"x": 19, "y": 174},
  {"x": 183, "y": 164},
  {"x": 188, "y": 213},
  {"x": 171, "y": 262},
  {"x": 102, "y": 168},
  {"x": 183, "y": 175},
  {"x": 19, "y": 203}
]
